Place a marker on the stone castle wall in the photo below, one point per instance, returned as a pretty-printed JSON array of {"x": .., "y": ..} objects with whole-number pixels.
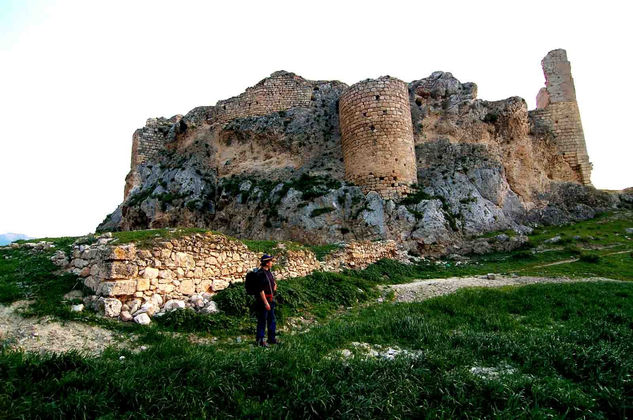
[
  {"x": 281, "y": 91},
  {"x": 557, "y": 111},
  {"x": 178, "y": 269},
  {"x": 377, "y": 136},
  {"x": 147, "y": 144}
]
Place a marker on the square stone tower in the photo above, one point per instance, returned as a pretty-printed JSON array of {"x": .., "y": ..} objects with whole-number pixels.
[{"x": 557, "y": 109}]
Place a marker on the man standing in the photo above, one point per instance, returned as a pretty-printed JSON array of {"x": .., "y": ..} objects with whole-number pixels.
[{"x": 265, "y": 303}]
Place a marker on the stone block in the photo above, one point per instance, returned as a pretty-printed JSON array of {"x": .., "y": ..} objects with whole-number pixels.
[
  {"x": 204, "y": 286},
  {"x": 150, "y": 273},
  {"x": 117, "y": 288},
  {"x": 220, "y": 285},
  {"x": 142, "y": 284},
  {"x": 113, "y": 270},
  {"x": 120, "y": 253},
  {"x": 185, "y": 260},
  {"x": 92, "y": 283},
  {"x": 166, "y": 288},
  {"x": 109, "y": 307},
  {"x": 187, "y": 287}
]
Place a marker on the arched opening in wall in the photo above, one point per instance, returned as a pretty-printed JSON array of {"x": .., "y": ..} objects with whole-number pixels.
[
  {"x": 372, "y": 128},
  {"x": 377, "y": 97},
  {"x": 364, "y": 114},
  {"x": 418, "y": 102},
  {"x": 224, "y": 107},
  {"x": 384, "y": 112}
]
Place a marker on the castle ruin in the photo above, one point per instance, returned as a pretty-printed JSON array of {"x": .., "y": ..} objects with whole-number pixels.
[
  {"x": 557, "y": 111},
  {"x": 375, "y": 121},
  {"x": 377, "y": 136}
]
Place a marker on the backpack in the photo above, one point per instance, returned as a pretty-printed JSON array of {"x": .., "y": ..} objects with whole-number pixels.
[{"x": 252, "y": 283}]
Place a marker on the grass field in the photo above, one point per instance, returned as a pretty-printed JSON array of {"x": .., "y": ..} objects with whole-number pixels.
[{"x": 549, "y": 350}]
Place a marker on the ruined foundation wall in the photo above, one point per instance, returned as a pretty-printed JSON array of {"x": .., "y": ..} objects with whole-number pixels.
[
  {"x": 377, "y": 136},
  {"x": 200, "y": 263},
  {"x": 557, "y": 111}
]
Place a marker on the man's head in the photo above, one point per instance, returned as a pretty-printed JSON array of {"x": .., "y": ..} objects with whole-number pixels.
[{"x": 266, "y": 261}]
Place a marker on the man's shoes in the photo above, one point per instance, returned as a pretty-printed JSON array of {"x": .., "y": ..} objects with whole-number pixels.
[
  {"x": 262, "y": 343},
  {"x": 274, "y": 341}
]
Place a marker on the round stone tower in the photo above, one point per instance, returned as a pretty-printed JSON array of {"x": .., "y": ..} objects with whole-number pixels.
[{"x": 377, "y": 136}]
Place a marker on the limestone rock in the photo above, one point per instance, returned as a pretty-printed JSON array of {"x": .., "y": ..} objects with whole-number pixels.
[
  {"x": 60, "y": 259},
  {"x": 109, "y": 307},
  {"x": 157, "y": 300},
  {"x": 173, "y": 304},
  {"x": 116, "y": 288},
  {"x": 142, "y": 319},
  {"x": 125, "y": 316},
  {"x": 210, "y": 308}
]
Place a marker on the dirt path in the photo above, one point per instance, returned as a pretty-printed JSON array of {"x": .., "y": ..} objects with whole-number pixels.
[
  {"x": 571, "y": 260},
  {"x": 44, "y": 334},
  {"x": 426, "y": 289}
]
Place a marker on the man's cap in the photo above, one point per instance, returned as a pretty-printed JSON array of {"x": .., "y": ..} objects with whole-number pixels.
[{"x": 265, "y": 258}]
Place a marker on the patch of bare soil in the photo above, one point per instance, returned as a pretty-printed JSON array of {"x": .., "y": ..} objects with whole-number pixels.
[
  {"x": 47, "y": 335},
  {"x": 427, "y": 289}
]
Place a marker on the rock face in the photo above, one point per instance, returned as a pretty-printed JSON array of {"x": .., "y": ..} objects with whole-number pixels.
[{"x": 271, "y": 163}]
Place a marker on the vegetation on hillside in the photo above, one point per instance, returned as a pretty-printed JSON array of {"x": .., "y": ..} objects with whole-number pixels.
[{"x": 550, "y": 350}]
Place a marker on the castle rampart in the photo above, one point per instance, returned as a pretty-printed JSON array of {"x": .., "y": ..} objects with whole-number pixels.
[
  {"x": 282, "y": 90},
  {"x": 377, "y": 136},
  {"x": 557, "y": 111}
]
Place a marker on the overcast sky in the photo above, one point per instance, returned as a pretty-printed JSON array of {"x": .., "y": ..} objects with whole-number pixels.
[{"x": 78, "y": 77}]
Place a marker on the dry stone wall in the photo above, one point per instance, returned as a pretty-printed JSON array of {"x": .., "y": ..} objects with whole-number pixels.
[
  {"x": 377, "y": 136},
  {"x": 198, "y": 265},
  {"x": 557, "y": 111}
]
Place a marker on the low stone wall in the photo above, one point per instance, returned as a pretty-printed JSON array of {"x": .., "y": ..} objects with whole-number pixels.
[{"x": 197, "y": 265}]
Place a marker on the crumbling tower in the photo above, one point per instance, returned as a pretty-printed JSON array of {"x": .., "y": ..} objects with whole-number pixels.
[
  {"x": 557, "y": 110},
  {"x": 377, "y": 136}
]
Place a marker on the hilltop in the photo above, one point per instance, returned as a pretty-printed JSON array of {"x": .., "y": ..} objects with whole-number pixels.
[{"x": 426, "y": 163}]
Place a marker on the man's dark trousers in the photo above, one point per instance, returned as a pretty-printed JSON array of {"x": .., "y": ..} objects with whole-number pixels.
[{"x": 264, "y": 318}]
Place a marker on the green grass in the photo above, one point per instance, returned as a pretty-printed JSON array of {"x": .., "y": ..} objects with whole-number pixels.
[
  {"x": 567, "y": 349},
  {"x": 28, "y": 275},
  {"x": 147, "y": 238},
  {"x": 322, "y": 251}
]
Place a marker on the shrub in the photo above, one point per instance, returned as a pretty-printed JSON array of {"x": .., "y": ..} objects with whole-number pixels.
[
  {"x": 523, "y": 255},
  {"x": 320, "y": 211},
  {"x": 233, "y": 300},
  {"x": 188, "y": 320},
  {"x": 590, "y": 258}
]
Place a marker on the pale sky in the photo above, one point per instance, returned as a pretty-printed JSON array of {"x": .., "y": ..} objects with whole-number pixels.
[{"x": 78, "y": 77}]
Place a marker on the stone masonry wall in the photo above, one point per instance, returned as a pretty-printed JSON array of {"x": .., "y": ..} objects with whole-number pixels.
[
  {"x": 199, "y": 264},
  {"x": 377, "y": 136},
  {"x": 281, "y": 91},
  {"x": 557, "y": 111},
  {"x": 147, "y": 143}
]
